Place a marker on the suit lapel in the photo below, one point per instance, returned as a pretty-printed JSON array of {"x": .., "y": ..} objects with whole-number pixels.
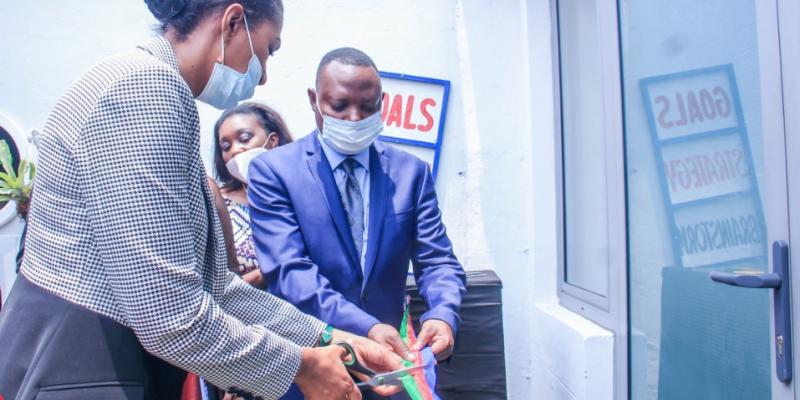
[
  {"x": 321, "y": 170},
  {"x": 379, "y": 180}
]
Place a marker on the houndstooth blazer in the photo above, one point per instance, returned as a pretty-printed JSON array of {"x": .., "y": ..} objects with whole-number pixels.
[{"x": 123, "y": 222}]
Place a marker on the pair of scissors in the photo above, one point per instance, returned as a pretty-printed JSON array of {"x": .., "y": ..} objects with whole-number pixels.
[{"x": 374, "y": 379}]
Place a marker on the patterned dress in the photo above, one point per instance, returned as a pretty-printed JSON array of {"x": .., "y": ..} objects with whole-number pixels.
[{"x": 242, "y": 236}]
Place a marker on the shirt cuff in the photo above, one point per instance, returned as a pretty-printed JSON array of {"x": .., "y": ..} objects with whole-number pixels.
[{"x": 444, "y": 314}]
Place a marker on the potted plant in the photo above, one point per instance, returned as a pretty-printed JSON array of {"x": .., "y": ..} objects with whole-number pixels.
[{"x": 16, "y": 185}]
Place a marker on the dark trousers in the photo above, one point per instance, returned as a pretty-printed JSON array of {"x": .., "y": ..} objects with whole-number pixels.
[{"x": 51, "y": 349}]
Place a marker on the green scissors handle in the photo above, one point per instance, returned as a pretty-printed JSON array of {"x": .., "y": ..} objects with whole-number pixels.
[{"x": 353, "y": 364}]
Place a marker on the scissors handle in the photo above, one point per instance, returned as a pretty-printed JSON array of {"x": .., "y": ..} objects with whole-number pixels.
[
  {"x": 353, "y": 364},
  {"x": 362, "y": 386}
]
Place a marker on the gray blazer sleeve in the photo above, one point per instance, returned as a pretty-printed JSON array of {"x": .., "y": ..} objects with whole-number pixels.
[
  {"x": 257, "y": 307},
  {"x": 137, "y": 151}
]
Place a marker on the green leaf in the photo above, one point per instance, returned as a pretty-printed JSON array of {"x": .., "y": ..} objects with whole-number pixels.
[
  {"x": 31, "y": 172},
  {"x": 4, "y": 198},
  {"x": 23, "y": 165},
  {"x": 5, "y": 179},
  {"x": 5, "y": 159}
]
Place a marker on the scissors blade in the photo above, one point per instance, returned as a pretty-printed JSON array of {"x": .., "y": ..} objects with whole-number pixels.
[{"x": 393, "y": 378}]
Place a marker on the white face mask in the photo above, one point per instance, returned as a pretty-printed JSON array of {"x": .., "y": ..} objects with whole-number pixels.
[
  {"x": 227, "y": 86},
  {"x": 238, "y": 165},
  {"x": 348, "y": 138}
]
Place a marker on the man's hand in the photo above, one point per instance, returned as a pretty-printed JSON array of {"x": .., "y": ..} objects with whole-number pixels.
[
  {"x": 388, "y": 337},
  {"x": 438, "y": 335},
  {"x": 322, "y": 375}
]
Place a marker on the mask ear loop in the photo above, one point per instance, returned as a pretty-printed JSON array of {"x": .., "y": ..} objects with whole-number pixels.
[
  {"x": 222, "y": 37},
  {"x": 252, "y": 50},
  {"x": 249, "y": 39},
  {"x": 319, "y": 105}
]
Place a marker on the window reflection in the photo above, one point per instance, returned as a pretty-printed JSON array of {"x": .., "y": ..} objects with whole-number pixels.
[{"x": 693, "y": 153}]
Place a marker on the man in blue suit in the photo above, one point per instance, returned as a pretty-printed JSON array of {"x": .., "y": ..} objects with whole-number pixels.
[{"x": 337, "y": 216}]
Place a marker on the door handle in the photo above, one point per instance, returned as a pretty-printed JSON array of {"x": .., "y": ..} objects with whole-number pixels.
[
  {"x": 756, "y": 281},
  {"x": 780, "y": 281}
]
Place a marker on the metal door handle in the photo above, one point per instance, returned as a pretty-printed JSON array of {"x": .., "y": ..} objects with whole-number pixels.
[
  {"x": 759, "y": 281},
  {"x": 780, "y": 281}
]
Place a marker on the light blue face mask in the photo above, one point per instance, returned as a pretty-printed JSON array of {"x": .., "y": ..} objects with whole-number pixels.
[
  {"x": 227, "y": 86},
  {"x": 348, "y": 137}
]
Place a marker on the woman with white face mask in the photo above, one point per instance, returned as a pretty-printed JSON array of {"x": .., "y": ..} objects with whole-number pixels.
[
  {"x": 125, "y": 270},
  {"x": 241, "y": 134}
]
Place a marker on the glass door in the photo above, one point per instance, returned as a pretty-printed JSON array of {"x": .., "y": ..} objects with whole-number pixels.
[{"x": 706, "y": 195}]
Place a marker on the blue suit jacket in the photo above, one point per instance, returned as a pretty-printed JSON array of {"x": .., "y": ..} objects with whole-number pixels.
[{"x": 306, "y": 251}]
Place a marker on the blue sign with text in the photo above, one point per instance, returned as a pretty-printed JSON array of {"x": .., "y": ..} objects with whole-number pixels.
[{"x": 706, "y": 170}]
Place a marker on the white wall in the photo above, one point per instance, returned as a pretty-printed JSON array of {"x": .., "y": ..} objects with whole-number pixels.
[
  {"x": 570, "y": 358},
  {"x": 496, "y": 177}
]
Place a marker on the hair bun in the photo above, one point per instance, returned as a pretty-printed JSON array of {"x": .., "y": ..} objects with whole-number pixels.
[{"x": 165, "y": 10}]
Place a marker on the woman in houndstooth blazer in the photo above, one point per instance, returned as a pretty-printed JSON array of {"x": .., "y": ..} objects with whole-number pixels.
[{"x": 125, "y": 265}]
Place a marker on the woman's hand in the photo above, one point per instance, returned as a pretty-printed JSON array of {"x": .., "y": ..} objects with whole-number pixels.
[
  {"x": 375, "y": 357},
  {"x": 255, "y": 278},
  {"x": 323, "y": 376}
]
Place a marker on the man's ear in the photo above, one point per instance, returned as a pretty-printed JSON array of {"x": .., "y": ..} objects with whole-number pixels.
[
  {"x": 312, "y": 99},
  {"x": 384, "y": 99}
]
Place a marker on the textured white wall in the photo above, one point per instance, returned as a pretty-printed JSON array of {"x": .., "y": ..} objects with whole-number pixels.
[
  {"x": 569, "y": 358},
  {"x": 496, "y": 176}
]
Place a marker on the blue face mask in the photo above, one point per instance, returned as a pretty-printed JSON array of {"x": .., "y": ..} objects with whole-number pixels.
[
  {"x": 347, "y": 137},
  {"x": 227, "y": 86}
]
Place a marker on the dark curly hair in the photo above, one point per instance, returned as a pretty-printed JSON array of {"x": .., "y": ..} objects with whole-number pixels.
[
  {"x": 269, "y": 119},
  {"x": 183, "y": 16}
]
